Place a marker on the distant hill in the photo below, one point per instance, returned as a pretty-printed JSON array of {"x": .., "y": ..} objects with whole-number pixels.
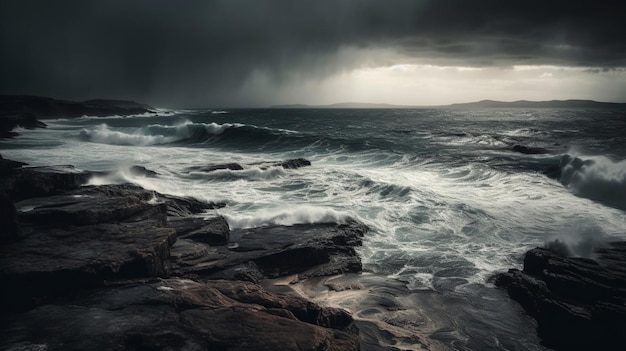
[
  {"x": 537, "y": 104},
  {"x": 478, "y": 104},
  {"x": 345, "y": 105}
]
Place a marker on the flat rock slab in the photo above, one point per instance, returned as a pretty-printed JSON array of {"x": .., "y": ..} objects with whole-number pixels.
[
  {"x": 27, "y": 182},
  {"x": 578, "y": 303},
  {"x": 82, "y": 239},
  {"x": 276, "y": 251},
  {"x": 60, "y": 260},
  {"x": 180, "y": 314}
]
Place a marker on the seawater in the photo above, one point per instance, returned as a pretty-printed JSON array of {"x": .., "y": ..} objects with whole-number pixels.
[{"x": 448, "y": 201}]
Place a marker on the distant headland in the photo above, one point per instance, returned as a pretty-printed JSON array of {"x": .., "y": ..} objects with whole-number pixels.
[
  {"x": 477, "y": 104},
  {"x": 28, "y": 111}
]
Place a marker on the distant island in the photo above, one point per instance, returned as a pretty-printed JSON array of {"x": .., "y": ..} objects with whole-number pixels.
[
  {"x": 478, "y": 104},
  {"x": 28, "y": 111}
]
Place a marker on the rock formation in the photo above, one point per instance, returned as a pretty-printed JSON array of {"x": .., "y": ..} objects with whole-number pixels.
[
  {"x": 579, "y": 303},
  {"x": 119, "y": 267}
]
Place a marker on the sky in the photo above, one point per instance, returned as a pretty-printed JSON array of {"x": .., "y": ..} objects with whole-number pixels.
[{"x": 256, "y": 53}]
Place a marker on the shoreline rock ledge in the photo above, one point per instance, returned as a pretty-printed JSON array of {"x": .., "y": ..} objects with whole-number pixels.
[
  {"x": 579, "y": 303},
  {"x": 118, "y": 267}
]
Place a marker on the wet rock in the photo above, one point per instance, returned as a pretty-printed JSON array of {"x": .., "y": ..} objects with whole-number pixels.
[
  {"x": 143, "y": 171},
  {"x": 300, "y": 308},
  {"x": 28, "y": 182},
  {"x": 7, "y": 167},
  {"x": 214, "y": 232},
  {"x": 83, "y": 209},
  {"x": 277, "y": 251},
  {"x": 10, "y": 120},
  {"x": 180, "y": 314},
  {"x": 216, "y": 167},
  {"x": 578, "y": 303},
  {"x": 8, "y": 220},
  {"x": 82, "y": 239},
  {"x": 84, "y": 274},
  {"x": 529, "y": 150},
  {"x": 184, "y": 225},
  {"x": 47, "y": 264},
  {"x": 178, "y": 206},
  {"x": 295, "y": 163}
]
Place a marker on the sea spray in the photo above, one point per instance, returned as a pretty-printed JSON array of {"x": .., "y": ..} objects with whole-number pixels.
[
  {"x": 595, "y": 177},
  {"x": 301, "y": 214},
  {"x": 578, "y": 239}
]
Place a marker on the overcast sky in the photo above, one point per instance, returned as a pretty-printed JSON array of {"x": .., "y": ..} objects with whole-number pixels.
[{"x": 251, "y": 53}]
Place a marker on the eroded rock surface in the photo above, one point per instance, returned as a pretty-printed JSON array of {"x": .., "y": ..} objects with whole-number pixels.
[
  {"x": 91, "y": 267},
  {"x": 175, "y": 314},
  {"x": 275, "y": 251}
]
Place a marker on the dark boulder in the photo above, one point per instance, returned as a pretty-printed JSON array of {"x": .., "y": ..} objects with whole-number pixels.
[{"x": 578, "y": 303}]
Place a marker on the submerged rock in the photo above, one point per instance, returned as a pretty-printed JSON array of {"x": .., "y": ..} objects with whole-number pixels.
[
  {"x": 295, "y": 163},
  {"x": 287, "y": 164},
  {"x": 578, "y": 303},
  {"x": 529, "y": 150},
  {"x": 216, "y": 167}
]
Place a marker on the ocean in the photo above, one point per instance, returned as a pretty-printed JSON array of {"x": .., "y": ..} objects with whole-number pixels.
[{"x": 449, "y": 198}]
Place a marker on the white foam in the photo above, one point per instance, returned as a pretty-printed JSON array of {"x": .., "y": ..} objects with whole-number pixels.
[
  {"x": 104, "y": 135},
  {"x": 300, "y": 214},
  {"x": 597, "y": 177},
  {"x": 154, "y": 134}
]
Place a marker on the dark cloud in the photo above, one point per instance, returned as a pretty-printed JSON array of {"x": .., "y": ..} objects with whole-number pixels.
[{"x": 200, "y": 52}]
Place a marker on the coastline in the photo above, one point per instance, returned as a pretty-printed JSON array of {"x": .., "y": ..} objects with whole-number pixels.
[
  {"x": 156, "y": 271},
  {"x": 124, "y": 251}
]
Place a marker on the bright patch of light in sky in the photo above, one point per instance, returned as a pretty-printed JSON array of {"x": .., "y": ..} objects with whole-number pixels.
[{"x": 427, "y": 84}]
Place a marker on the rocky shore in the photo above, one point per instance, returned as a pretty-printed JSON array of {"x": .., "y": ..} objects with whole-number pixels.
[
  {"x": 579, "y": 303},
  {"x": 118, "y": 267}
]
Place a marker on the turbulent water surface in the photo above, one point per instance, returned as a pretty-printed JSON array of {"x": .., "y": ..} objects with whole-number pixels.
[{"x": 448, "y": 200}]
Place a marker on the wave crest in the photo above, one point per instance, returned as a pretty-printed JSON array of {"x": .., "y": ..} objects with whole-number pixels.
[
  {"x": 155, "y": 134},
  {"x": 303, "y": 214},
  {"x": 595, "y": 177}
]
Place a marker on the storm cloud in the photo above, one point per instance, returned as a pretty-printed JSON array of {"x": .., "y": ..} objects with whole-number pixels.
[{"x": 202, "y": 52}]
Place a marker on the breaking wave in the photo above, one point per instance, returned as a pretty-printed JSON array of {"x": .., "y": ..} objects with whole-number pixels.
[
  {"x": 302, "y": 214},
  {"x": 595, "y": 177},
  {"x": 156, "y": 134},
  {"x": 235, "y": 135}
]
